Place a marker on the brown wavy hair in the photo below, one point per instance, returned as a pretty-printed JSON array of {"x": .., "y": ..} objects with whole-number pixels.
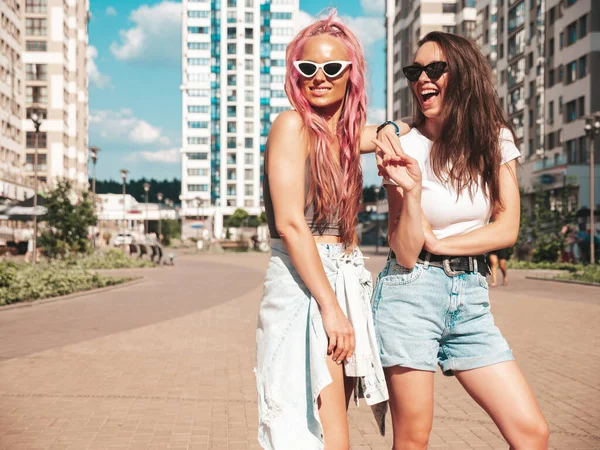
[{"x": 468, "y": 146}]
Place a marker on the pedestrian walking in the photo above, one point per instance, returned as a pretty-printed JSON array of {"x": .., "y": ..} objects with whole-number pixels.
[
  {"x": 445, "y": 179},
  {"x": 498, "y": 259},
  {"x": 315, "y": 339}
]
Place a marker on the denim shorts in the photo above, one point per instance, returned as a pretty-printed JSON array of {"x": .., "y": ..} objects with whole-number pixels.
[{"x": 424, "y": 318}]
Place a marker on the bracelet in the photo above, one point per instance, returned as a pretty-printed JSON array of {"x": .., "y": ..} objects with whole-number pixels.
[{"x": 389, "y": 122}]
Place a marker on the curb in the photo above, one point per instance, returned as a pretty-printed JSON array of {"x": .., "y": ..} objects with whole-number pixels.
[
  {"x": 33, "y": 303},
  {"x": 583, "y": 283}
]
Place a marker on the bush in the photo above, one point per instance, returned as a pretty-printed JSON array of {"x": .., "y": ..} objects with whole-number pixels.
[
  {"x": 26, "y": 282},
  {"x": 588, "y": 274},
  {"x": 543, "y": 265},
  {"x": 111, "y": 259}
]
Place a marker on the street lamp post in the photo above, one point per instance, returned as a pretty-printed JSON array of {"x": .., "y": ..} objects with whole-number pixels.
[
  {"x": 146, "y": 190},
  {"x": 159, "y": 196},
  {"x": 94, "y": 155},
  {"x": 37, "y": 123},
  {"x": 124, "y": 173},
  {"x": 377, "y": 189},
  {"x": 592, "y": 130}
]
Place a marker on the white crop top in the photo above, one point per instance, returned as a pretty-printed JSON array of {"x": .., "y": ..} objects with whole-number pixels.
[{"x": 448, "y": 214}]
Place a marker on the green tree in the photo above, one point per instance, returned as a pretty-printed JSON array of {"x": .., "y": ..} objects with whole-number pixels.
[
  {"x": 170, "y": 230},
  {"x": 237, "y": 219},
  {"x": 67, "y": 222}
]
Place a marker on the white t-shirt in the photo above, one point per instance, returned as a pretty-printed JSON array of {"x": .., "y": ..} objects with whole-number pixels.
[{"x": 448, "y": 214}]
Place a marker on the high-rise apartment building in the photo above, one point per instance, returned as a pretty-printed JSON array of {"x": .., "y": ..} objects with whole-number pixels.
[
  {"x": 486, "y": 30},
  {"x": 55, "y": 59},
  {"x": 410, "y": 20},
  {"x": 232, "y": 89},
  {"x": 13, "y": 184},
  {"x": 548, "y": 60}
]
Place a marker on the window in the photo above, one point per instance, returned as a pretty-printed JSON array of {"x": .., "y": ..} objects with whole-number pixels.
[
  {"x": 281, "y": 16},
  {"x": 197, "y": 140},
  {"x": 198, "y": 61},
  {"x": 530, "y": 117},
  {"x": 581, "y": 106},
  {"x": 561, "y": 40},
  {"x": 550, "y": 112},
  {"x": 36, "y": 46},
  {"x": 283, "y": 31},
  {"x": 198, "y": 156},
  {"x": 198, "y": 108},
  {"x": 37, "y": 72},
  {"x": 516, "y": 45},
  {"x": 551, "y": 78},
  {"x": 249, "y": 127},
  {"x": 198, "y": 45},
  {"x": 552, "y": 15},
  {"x": 197, "y": 172},
  {"x": 249, "y": 16},
  {"x": 249, "y": 159},
  {"x": 531, "y": 30},
  {"x": 448, "y": 7},
  {"x": 248, "y": 174},
  {"x": 198, "y": 14},
  {"x": 42, "y": 140},
  {"x": 249, "y": 64},
  {"x": 249, "y": 143},
  {"x": 449, "y": 29},
  {"x": 571, "y": 111},
  {"x": 231, "y": 127},
  {"x": 231, "y": 49},
  {"x": 231, "y": 3},
  {"x": 231, "y": 143},
  {"x": 231, "y": 17},
  {"x": 231, "y": 158},
  {"x": 231, "y": 33},
  {"x": 560, "y": 105},
  {"x": 249, "y": 33},
  {"x": 550, "y": 144},
  {"x": 249, "y": 3},
  {"x": 197, "y": 124},
  {"x": 582, "y": 26},
  {"x": 198, "y": 30},
  {"x": 531, "y": 89},
  {"x": 571, "y": 72},
  {"x": 516, "y": 17},
  {"x": 249, "y": 111},
  {"x": 36, "y": 94},
  {"x": 198, "y": 77},
  {"x": 231, "y": 111},
  {"x": 530, "y": 61},
  {"x": 198, "y": 187},
  {"x": 249, "y": 80},
  {"x": 551, "y": 47},
  {"x": 571, "y": 2},
  {"x": 561, "y": 71},
  {"x": 231, "y": 80},
  {"x": 36, "y": 27},
  {"x": 571, "y": 33},
  {"x": 249, "y": 189},
  {"x": 199, "y": 92},
  {"x": 249, "y": 48},
  {"x": 35, "y": 6},
  {"x": 582, "y": 72},
  {"x": 249, "y": 96}
]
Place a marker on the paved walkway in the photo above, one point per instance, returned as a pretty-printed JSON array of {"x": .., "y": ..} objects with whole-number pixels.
[{"x": 167, "y": 364}]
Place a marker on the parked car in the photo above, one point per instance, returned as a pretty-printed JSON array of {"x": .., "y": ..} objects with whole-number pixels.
[{"x": 123, "y": 239}]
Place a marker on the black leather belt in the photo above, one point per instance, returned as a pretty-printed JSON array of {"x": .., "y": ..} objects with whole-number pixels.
[{"x": 452, "y": 265}]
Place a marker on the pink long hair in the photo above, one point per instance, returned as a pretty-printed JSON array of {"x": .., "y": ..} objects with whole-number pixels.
[{"x": 334, "y": 186}]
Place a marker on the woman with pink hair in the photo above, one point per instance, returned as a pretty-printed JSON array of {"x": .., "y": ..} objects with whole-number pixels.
[{"x": 315, "y": 338}]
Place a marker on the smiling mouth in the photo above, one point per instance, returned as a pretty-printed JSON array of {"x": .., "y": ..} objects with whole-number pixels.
[
  {"x": 427, "y": 94},
  {"x": 319, "y": 89}
]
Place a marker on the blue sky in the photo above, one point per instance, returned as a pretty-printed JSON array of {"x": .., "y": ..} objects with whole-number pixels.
[{"x": 135, "y": 75}]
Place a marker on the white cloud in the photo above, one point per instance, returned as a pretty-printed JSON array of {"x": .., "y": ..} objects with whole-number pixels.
[
  {"x": 368, "y": 29},
  {"x": 373, "y": 7},
  {"x": 169, "y": 156},
  {"x": 94, "y": 74},
  {"x": 375, "y": 116},
  {"x": 123, "y": 125},
  {"x": 301, "y": 20},
  {"x": 144, "y": 133},
  {"x": 111, "y": 11},
  {"x": 155, "y": 38}
]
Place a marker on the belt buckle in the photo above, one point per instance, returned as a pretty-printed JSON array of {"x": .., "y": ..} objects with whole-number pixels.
[{"x": 449, "y": 271}]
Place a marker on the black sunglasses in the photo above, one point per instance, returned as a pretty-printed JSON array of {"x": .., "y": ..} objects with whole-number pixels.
[{"x": 433, "y": 70}]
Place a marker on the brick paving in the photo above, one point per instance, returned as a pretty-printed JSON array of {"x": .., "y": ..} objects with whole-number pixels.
[{"x": 167, "y": 364}]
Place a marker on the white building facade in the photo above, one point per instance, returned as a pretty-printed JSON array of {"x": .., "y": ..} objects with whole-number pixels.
[
  {"x": 232, "y": 89},
  {"x": 56, "y": 85}
]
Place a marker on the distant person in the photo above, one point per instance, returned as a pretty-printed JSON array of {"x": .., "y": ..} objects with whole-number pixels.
[{"x": 497, "y": 259}]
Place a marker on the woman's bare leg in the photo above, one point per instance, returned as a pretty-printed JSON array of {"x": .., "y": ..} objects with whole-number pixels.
[
  {"x": 332, "y": 410},
  {"x": 504, "y": 271},
  {"x": 411, "y": 404},
  {"x": 494, "y": 269},
  {"x": 502, "y": 391}
]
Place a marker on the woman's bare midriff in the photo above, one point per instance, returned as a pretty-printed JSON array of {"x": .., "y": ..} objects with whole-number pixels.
[{"x": 327, "y": 239}]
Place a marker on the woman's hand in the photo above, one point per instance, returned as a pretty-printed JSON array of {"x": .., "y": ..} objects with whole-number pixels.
[
  {"x": 340, "y": 333},
  {"x": 396, "y": 165}
]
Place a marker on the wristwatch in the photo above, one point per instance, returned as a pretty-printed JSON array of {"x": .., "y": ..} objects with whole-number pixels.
[{"x": 386, "y": 123}]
